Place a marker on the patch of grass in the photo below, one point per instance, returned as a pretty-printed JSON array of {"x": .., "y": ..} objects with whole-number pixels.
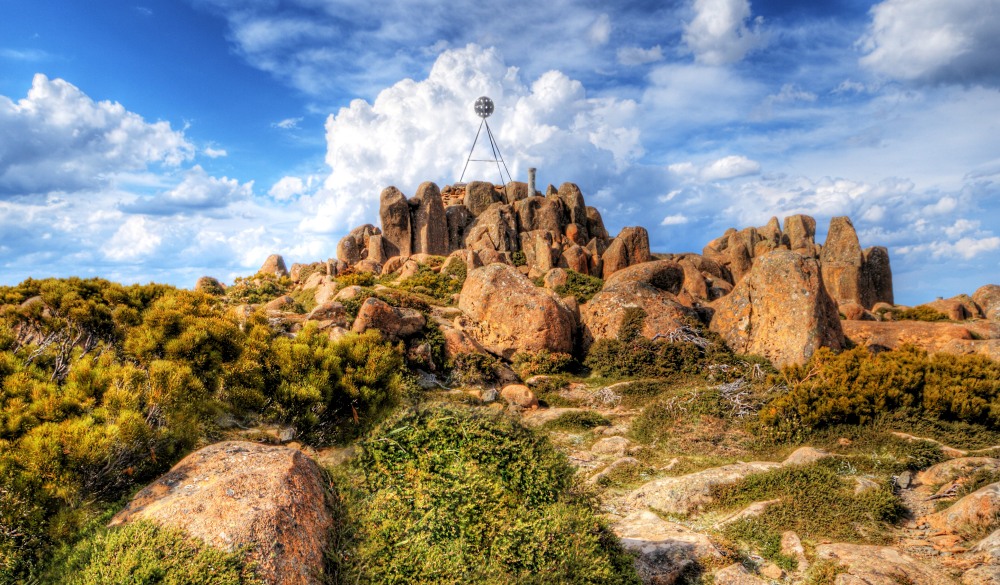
[
  {"x": 578, "y": 420},
  {"x": 823, "y": 572},
  {"x": 356, "y": 279},
  {"x": 871, "y": 449},
  {"x": 305, "y": 300},
  {"x": 474, "y": 369},
  {"x": 144, "y": 553},
  {"x": 815, "y": 503},
  {"x": 436, "y": 285},
  {"x": 762, "y": 538},
  {"x": 443, "y": 495}
]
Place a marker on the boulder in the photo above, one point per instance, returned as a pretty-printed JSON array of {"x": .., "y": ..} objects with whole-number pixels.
[
  {"x": 519, "y": 395},
  {"x": 538, "y": 249},
  {"x": 799, "y": 235},
  {"x": 988, "y": 299},
  {"x": 479, "y": 196},
  {"x": 975, "y": 512},
  {"x": 348, "y": 250},
  {"x": 877, "y": 273},
  {"x": 329, "y": 311},
  {"x": 394, "y": 213},
  {"x": 665, "y": 275},
  {"x": 576, "y": 208},
  {"x": 575, "y": 258},
  {"x": 512, "y": 315},
  {"x": 282, "y": 304},
  {"x": 958, "y": 308},
  {"x": 631, "y": 246},
  {"x": 854, "y": 312},
  {"x": 688, "y": 493},
  {"x": 515, "y": 191},
  {"x": 779, "y": 310},
  {"x": 394, "y": 322},
  {"x": 879, "y": 565},
  {"x": 841, "y": 261},
  {"x": 376, "y": 249},
  {"x": 637, "y": 287},
  {"x": 664, "y": 551},
  {"x": 555, "y": 278},
  {"x": 267, "y": 501},
  {"x": 954, "y": 469},
  {"x": 429, "y": 223},
  {"x": 275, "y": 265},
  {"x": 933, "y": 337},
  {"x": 209, "y": 285}
]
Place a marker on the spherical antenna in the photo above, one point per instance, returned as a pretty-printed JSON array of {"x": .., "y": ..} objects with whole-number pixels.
[{"x": 484, "y": 107}]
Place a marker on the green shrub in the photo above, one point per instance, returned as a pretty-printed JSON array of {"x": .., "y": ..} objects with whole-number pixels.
[
  {"x": 518, "y": 258},
  {"x": 542, "y": 362},
  {"x": 437, "y": 285},
  {"x": 578, "y": 420},
  {"x": 921, "y": 313},
  {"x": 856, "y": 386},
  {"x": 474, "y": 369},
  {"x": 459, "y": 496},
  {"x": 356, "y": 279},
  {"x": 581, "y": 286},
  {"x": 257, "y": 289},
  {"x": 144, "y": 553},
  {"x": 641, "y": 357}
]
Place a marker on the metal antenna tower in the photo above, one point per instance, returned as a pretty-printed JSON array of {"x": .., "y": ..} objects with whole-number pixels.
[{"x": 484, "y": 108}]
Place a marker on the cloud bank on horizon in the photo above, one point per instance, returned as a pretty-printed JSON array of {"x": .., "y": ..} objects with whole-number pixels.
[{"x": 687, "y": 119}]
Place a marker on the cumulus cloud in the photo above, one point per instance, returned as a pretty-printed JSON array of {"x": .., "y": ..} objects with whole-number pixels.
[
  {"x": 718, "y": 33},
  {"x": 935, "y": 41},
  {"x": 287, "y": 123},
  {"x": 288, "y": 188},
  {"x": 422, "y": 130},
  {"x": 675, "y": 219},
  {"x": 197, "y": 191},
  {"x": 75, "y": 142},
  {"x": 600, "y": 31},
  {"x": 135, "y": 239},
  {"x": 211, "y": 152}
]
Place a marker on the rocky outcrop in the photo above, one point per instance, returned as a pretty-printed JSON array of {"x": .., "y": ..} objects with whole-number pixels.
[
  {"x": 631, "y": 246},
  {"x": 988, "y": 299},
  {"x": 779, "y": 310},
  {"x": 430, "y": 224},
  {"x": 275, "y": 265},
  {"x": 976, "y": 512},
  {"x": 209, "y": 285},
  {"x": 688, "y": 493},
  {"x": 982, "y": 337},
  {"x": 394, "y": 322},
  {"x": 394, "y": 213},
  {"x": 510, "y": 314},
  {"x": 267, "y": 501}
]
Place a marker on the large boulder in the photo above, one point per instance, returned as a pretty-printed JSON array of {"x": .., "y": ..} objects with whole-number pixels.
[
  {"x": 275, "y": 265},
  {"x": 394, "y": 212},
  {"x": 595, "y": 225},
  {"x": 631, "y": 246},
  {"x": 841, "y": 260},
  {"x": 264, "y": 500},
  {"x": 394, "y": 322},
  {"x": 512, "y": 315},
  {"x": 430, "y": 224},
  {"x": 780, "y": 310},
  {"x": 650, "y": 286},
  {"x": 976, "y": 512},
  {"x": 988, "y": 299},
  {"x": 458, "y": 218},
  {"x": 576, "y": 208},
  {"x": 878, "y": 275},
  {"x": 799, "y": 235}
]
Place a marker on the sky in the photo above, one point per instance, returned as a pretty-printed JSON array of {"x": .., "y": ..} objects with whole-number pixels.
[{"x": 164, "y": 140}]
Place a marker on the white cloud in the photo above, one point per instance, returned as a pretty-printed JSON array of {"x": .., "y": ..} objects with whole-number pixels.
[
  {"x": 791, "y": 93},
  {"x": 211, "y": 152},
  {"x": 134, "y": 240},
  {"x": 288, "y": 188},
  {"x": 638, "y": 56},
  {"x": 197, "y": 191},
  {"x": 961, "y": 226},
  {"x": 675, "y": 219},
  {"x": 287, "y": 123},
  {"x": 718, "y": 33},
  {"x": 600, "y": 31},
  {"x": 728, "y": 167},
  {"x": 934, "y": 40},
  {"x": 77, "y": 143},
  {"x": 965, "y": 248},
  {"x": 421, "y": 130}
]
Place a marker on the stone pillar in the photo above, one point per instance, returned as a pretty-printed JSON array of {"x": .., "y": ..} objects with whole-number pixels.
[{"x": 531, "y": 182}]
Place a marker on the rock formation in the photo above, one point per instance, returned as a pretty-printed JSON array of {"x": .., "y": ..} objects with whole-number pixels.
[
  {"x": 498, "y": 224},
  {"x": 236, "y": 495},
  {"x": 780, "y": 310}
]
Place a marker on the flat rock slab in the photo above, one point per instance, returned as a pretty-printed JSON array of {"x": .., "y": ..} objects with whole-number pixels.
[
  {"x": 664, "y": 550},
  {"x": 736, "y": 574},
  {"x": 879, "y": 565},
  {"x": 236, "y": 494},
  {"x": 686, "y": 493}
]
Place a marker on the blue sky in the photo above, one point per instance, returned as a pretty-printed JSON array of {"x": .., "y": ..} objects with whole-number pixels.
[{"x": 164, "y": 140}]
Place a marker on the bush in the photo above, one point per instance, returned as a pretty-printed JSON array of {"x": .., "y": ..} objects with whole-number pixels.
[
  {"x": 542, "y": 362},
  {"x": 581, "y": 286},
  {"x": 144, "y": 553},
  {"x": 578, "y": 420},
  {"x": 257, "y": 289},
  {"x": 456, "y": 496},
  {"x": 921, "y": 313},
  {"x": 857, "y": 387},
  {"x": 474, "y": 369},
  {"x": 356, "y": 279},
  {"x": 439, "y": 286}
]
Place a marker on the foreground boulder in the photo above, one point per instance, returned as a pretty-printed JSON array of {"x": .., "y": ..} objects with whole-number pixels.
[
  {"x": 236, "y": 495},
  {"x": 664, "y": 551},
  {"x": 510, "y": 314},
  {"x": 879, "y": 565},
  {"x": 275, "y": 265},
  {"x": 975, "y": 512},
  {"x": 780, "y": 310},
  {"x": 988, "y": 299}
]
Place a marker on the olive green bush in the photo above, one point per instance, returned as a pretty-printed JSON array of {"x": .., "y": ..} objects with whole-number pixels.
[{"x": 459, "y": 496}]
